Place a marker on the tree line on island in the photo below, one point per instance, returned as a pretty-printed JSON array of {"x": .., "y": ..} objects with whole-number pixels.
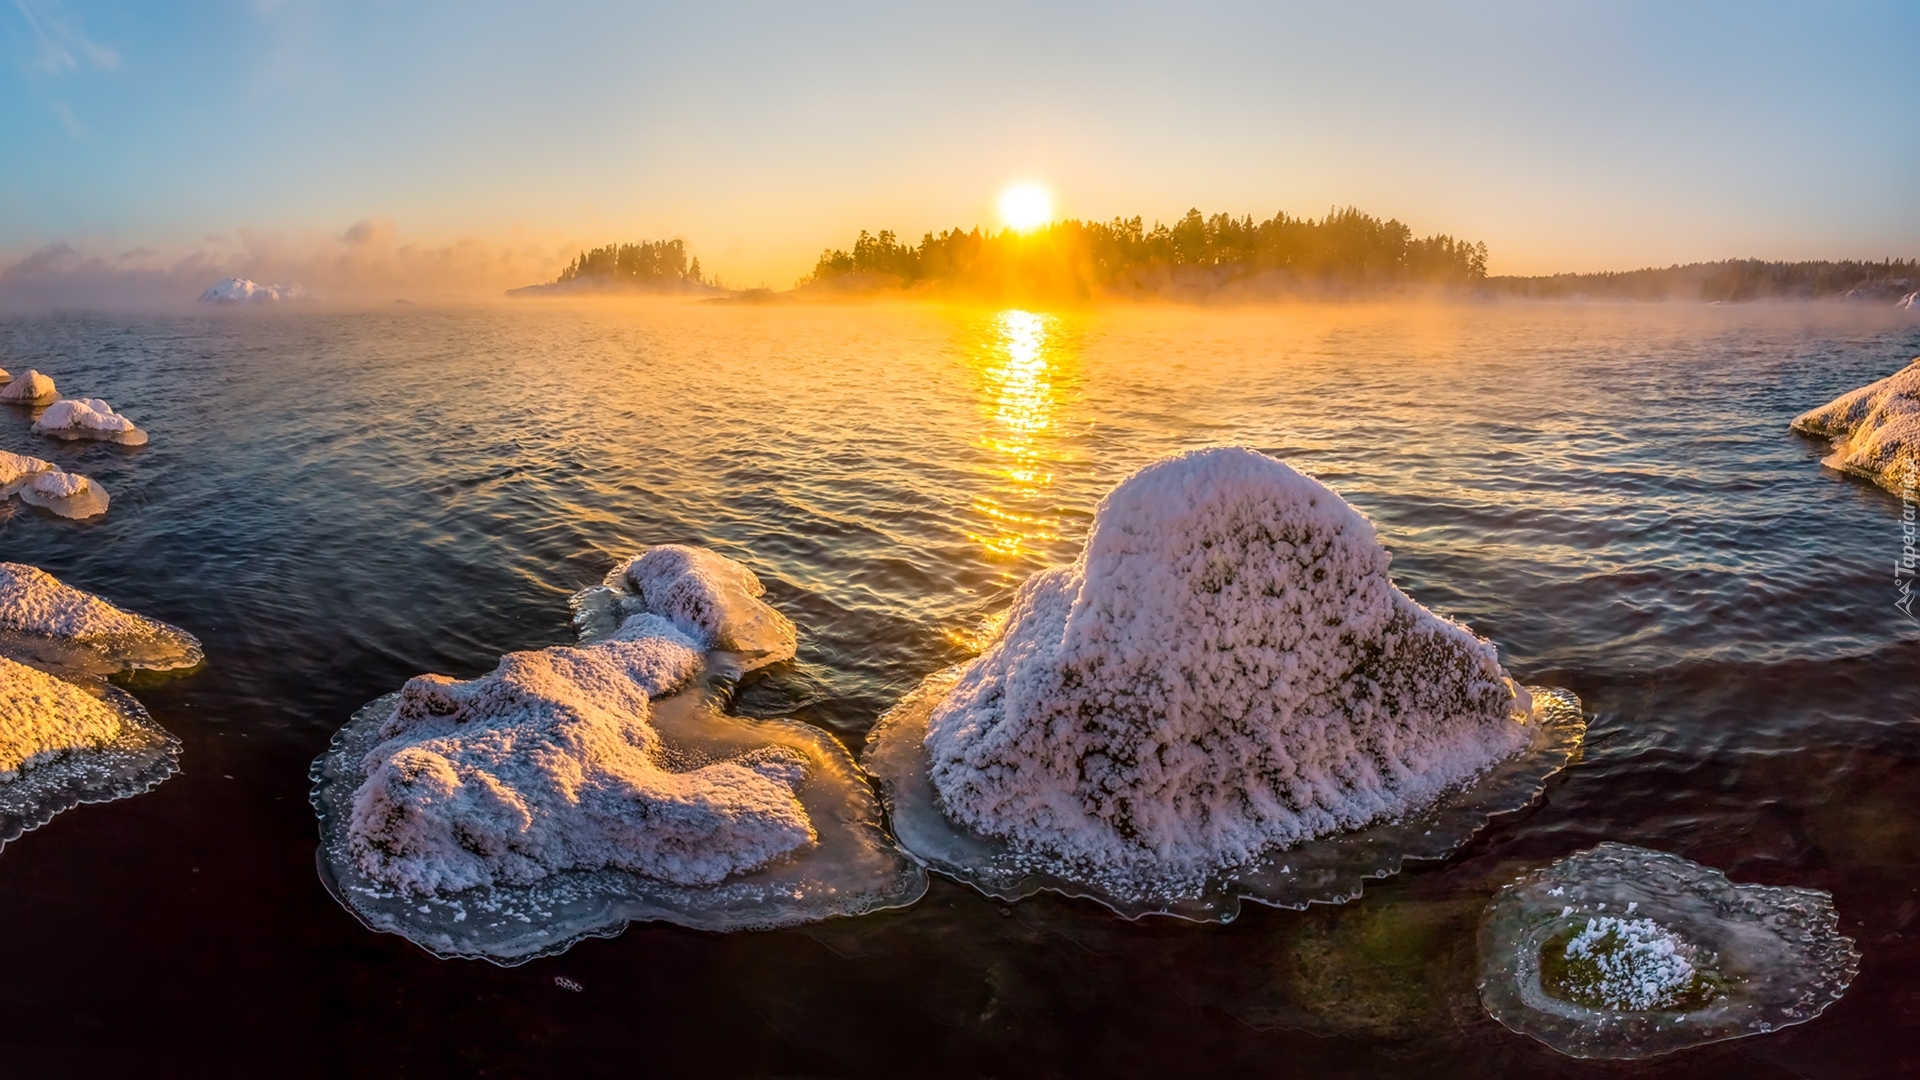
[
  {"x": 1347, "y": 252},
  {"x": 1347, "y": 249}
]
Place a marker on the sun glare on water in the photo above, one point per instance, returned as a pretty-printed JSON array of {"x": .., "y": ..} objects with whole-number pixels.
[{"x": 1025, "y": 207}]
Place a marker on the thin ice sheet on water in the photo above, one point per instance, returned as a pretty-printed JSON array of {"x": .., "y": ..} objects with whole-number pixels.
[{"x": 1769, "y": 956}]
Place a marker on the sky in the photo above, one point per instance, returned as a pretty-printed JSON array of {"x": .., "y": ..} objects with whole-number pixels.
[{"x": 478, "y": 144}]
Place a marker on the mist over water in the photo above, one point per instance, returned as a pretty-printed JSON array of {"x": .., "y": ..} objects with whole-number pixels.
[{"x": 334, "y": 502}]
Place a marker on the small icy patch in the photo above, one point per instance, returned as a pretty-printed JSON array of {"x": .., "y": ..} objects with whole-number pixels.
[
  {"x": 1875, "y": 430},
  {"x": 29, "y": 388},
  {"x": 1225, "y": 673},
  {"x": 88, "y": 418},
  {"x": 1704, "y": 960}
]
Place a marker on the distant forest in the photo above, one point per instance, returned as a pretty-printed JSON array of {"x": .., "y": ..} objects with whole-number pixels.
[
  {"x": 1347, "y": 252},
  {"x": 656, "y": 261},
  {"x": 1346, "y": 249},
  {"x": 1731, "y": 281}
]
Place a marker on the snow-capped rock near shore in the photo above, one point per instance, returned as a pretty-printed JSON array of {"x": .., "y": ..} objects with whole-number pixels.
[
  {"x": 29, "y": 388},
  {"x": 88, "y": 418},
  {"x": 1875, "y": 430},
  {"x": 243, "y": 291},
  {"x": 1226, "y": 670}
]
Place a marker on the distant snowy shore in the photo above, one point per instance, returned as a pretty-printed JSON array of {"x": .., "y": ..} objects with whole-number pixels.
[{"x": 243, "y": 291}]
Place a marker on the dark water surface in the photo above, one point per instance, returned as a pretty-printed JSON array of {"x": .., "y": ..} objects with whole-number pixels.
[{"x": 336, "y": 502}]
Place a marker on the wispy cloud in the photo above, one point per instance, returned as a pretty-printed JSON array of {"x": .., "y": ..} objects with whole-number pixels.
[{"x": 60, "y": 45}]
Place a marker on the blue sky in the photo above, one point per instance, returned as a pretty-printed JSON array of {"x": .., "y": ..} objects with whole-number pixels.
[{"x": 1566, "y": 135}]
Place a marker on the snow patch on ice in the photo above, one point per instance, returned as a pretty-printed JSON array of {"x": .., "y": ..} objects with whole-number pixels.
[
  {"x": 29, "y": 388},
  {"x": 88, "y": 418},
  {"x": 1875, "y": 430},
  {"x": 1226, "y": 670},
  {"x": 1639, "y": 965}
]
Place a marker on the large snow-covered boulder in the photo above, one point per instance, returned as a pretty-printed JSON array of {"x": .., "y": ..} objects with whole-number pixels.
[
  {"x": 29, "y": 388},
  {"x": 243, "y": 291},
  {"x": 1875, "y": 430},
  {"x": 88, "y": 418},
  {"x": 1226, "y": 669}
]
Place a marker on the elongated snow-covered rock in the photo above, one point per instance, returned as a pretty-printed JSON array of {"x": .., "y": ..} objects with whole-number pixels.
[
  {"x": 88, "y": 418},
  {"x": 50, "y": 621},
  {"x": 575, "y": 788},
  {"x": 549, "y": 764},
  {"x": 29, "y": 388},
  {"x": 1875, "y": 430},
  {"x": 1226, "y": 672},
  {"x": 245, "y": 291}
]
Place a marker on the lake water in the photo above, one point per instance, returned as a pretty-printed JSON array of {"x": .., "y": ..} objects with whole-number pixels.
[{"x": 334, "y": 502}]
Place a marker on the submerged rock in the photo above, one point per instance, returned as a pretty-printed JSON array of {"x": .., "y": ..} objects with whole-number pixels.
[
  {"x": 1875, "y": 430},
  {"x": 88, "y": 418},
  {"x": 66, "y": 737},
  {"x": 576, "y": 788},
  {"x": 1623, "y": 952},
  {"x": 1223, "y": 677},
  {"x": 29, "y": 388}
]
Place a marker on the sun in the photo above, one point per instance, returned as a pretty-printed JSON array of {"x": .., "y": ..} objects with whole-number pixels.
[{"x": 1025, "y": 207}]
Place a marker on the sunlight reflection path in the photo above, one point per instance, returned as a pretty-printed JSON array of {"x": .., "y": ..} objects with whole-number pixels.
[{"x": 1021, "y": 398}]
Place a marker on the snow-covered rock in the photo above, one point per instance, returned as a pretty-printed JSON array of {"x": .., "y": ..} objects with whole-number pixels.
[
  {"x": 43, "y": 484},
  {"x": 88, "y": 418},
  {"x": 42, "y": 618},
  {"x": 17, "y": 469},
  {"x": 243, "y": 291},
  {"x": 43, "y": 717},
  {"x": 1875, "y": 430},
  {"x": 29, "y": 388},
  {"x": 1226, "y": 670},
  {"x": 549, "y": 764},
  {"x": 34, "y": 601},
  {"x": 712, "y": 598},
  {"x": 69, "y": 495}
]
